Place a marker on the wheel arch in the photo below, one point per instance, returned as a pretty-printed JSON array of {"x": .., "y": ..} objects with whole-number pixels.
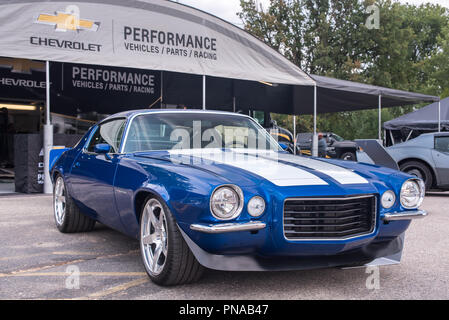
[
  {"x": 342, "y": 151},
  {"x": 347, "y": 149},
  {"x": 55, "y": 173},
  {"x": 139, "y": 201}
]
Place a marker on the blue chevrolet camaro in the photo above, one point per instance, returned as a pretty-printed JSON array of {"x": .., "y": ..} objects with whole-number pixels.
[{"x": 214, "y": 189}]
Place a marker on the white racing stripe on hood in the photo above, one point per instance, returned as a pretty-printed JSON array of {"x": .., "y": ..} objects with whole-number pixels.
[
  {"x": 341, "y": 175},
  {"x": 278, "y": 173}
]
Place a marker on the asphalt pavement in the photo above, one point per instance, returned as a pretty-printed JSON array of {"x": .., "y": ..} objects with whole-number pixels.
[{"x": 39, "y": 262}]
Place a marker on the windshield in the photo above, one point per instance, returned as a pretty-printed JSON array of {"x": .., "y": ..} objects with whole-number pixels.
[
  {"x": 337, "y": 137},
  {"x": 168, "y": 131}
]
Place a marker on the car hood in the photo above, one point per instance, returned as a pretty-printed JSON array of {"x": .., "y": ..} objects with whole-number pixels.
[
  {"x": 278, "y": 168},
  {"x": 344, "y": 144}
]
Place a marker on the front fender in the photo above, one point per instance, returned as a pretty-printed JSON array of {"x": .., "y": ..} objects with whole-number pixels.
[{"x": 184, "y": 190}]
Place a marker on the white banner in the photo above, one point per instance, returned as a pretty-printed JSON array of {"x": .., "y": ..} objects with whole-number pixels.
[{"x": 153, "y": 34}]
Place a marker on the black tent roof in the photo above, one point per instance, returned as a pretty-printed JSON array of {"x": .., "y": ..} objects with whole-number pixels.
[
  {"x": 335, "y": 95},
  {"x": 425, "y": 118}
]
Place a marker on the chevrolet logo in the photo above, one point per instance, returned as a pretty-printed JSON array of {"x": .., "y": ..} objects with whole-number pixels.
[{"x": 66, "y": 21}]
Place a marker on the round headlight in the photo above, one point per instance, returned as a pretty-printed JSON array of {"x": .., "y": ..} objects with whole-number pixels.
[
  {"x": 226, "y": 202},
  {"x": 256, "y": 206},
  {"x": 388, "y": 199},
  {"x": 412, "y": 193}
]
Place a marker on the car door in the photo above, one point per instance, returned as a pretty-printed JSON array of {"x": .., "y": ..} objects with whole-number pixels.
[
  {"x": 440, "y": 155},
  {"x": 92, "y": 175}
]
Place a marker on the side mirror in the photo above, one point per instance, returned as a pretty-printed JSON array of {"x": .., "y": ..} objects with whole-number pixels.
[{"x": 102, "y": 148}]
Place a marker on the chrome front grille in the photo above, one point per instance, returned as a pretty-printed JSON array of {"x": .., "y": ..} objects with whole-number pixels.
[{"x": 329, "y": 218}]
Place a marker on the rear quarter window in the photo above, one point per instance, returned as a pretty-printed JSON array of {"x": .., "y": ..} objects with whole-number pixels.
[{"x": 442, "y": 144}]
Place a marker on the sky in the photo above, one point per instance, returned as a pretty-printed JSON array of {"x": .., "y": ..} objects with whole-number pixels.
[{"x": 227, "y": 9}]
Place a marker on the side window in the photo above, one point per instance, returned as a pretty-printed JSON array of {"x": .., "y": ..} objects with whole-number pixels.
[
  {"x": 111, "y": 133},
  {"x": 442, "y": 144}
]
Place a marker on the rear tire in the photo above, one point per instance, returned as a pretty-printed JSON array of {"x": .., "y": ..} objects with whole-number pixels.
[
  {"x": 419, "y": 170},
  {"x": 68, "y": 217},
  {"x": 165, "y": 255}
]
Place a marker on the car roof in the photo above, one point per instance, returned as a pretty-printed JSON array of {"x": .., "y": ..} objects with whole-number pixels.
[
  {"x": 437, "y": 134},
  {"x": 131, "y": 113}
]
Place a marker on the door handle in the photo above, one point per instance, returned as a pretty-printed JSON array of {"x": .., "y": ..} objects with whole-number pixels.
[{"x": 77, "y": 164}]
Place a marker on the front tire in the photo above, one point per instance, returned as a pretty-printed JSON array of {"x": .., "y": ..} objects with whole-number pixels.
[
  {"x": 349, "y": 156},
  {"x": 68, "y": 217},
  {"x": 165, "y": 255},
  {"x": 419, "y": 170}
]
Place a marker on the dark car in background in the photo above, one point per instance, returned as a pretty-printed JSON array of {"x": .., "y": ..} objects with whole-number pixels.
[{"x": 337, "y": 147}]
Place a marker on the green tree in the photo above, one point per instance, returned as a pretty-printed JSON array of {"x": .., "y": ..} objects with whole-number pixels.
[
  {"x": 410, "y": 51},
  {"x": 438, "y": 67}
]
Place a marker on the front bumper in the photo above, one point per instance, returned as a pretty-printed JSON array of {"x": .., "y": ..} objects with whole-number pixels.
[
  {"x": 405, "y": 215},
  {"x": 228, "y": 227},
  {"x": 257, "y": 225},
  {"x": 260, "y": 245},
  {"x": 254, "y": 262}
]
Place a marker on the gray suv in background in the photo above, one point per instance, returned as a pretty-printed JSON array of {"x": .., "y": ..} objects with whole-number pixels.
[{"x": 427, "y": 157}]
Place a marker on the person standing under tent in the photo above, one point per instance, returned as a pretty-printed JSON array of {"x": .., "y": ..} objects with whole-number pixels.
[{"x": 322, "y": 146}]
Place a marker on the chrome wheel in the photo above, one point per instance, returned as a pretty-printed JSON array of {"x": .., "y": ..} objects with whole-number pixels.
[
  {"x": 153, "y": 237},
  {"x": 59, "y": 200}
]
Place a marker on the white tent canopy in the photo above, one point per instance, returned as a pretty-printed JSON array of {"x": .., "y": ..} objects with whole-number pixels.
[{"x": 150, "y": 34}]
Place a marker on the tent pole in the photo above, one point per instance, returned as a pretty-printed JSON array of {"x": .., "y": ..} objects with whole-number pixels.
[
  {"x": 315, "y": 137},
  {"x": 162, "y": 88},
  {"x": 48, "y": 134},
  {"x": 294, "y": 135},
  {"x": 439, "y": 116},
  {"x": 409, "y": 135},
  {"x": 391, "y": 137},
  {"x": 380, "y": 118},
  {"x": 204, "y": 92},
  {"x": 234, "y": 100}
]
